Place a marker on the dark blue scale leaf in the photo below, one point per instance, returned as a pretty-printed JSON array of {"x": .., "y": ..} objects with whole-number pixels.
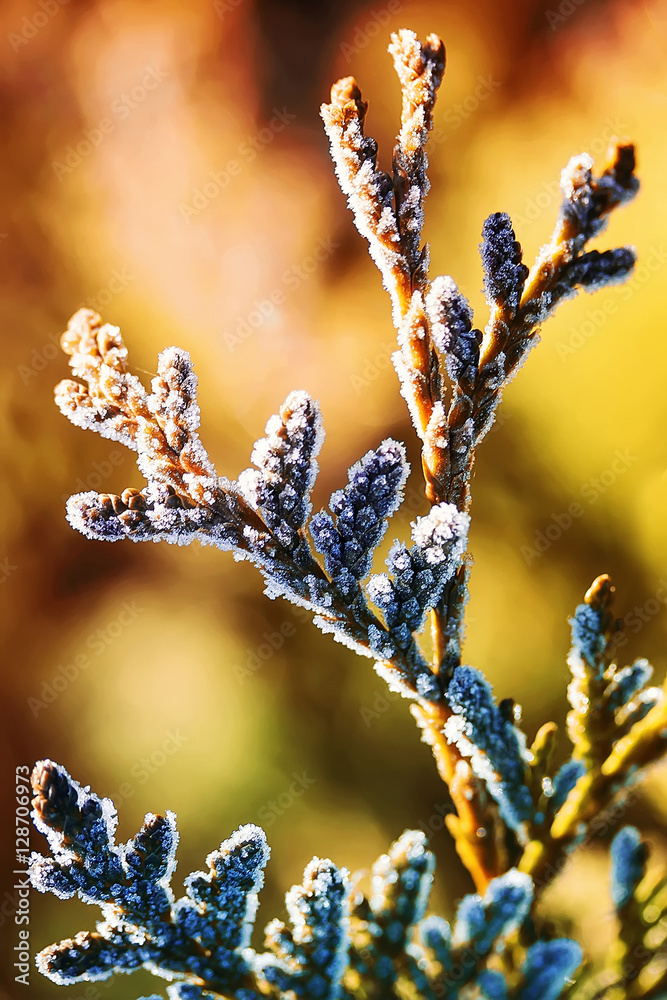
[
  {"x": 504, "y": 272},
  {"x": 355, "y": 526}
]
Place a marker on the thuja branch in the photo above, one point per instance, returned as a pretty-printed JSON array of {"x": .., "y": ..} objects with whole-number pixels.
[
  {"x": 452, "y": 375},
  {"x": 517, "y": 817}
]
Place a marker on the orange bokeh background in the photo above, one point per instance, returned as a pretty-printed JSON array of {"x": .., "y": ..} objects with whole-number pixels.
[{"x": 165, "y": 164}]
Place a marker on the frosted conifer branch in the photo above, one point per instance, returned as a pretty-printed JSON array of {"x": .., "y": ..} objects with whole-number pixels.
[
  {"x": 369, "y": 191},
  {"x": 559, "y": 269},
  {"x": 615, "y": 715},
  {"x": 264, "y": 516},
  {"x": 592, "y": 628},
  {"x": 143, "y": 925},
  {"x": 617, "y": 725},
  {"x": 501, "y": 910},
  {"x": 384, "y": 924},
  {"x": 638, "y": 968},
  {"x": 504, "y": 272},
  {"x": 516, "y": 816},
  {"x": 420, "y": 69},
  {"x": 451, "y": 319},
  {"x": 482, "y": 924},
  {"x": 311, "y": 958},
  {"x": 419, "y": 573},
  {"x": 388, "y": 210},
  {"x": 519, "y": 300},
  {"x": 485, "y": 734},
  {"x": 113, "y": 401},
  {"x": 339, "y": 942}
]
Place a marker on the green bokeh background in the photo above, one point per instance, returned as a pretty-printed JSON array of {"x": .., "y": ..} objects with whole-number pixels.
[{"x": 187, "y": 706}]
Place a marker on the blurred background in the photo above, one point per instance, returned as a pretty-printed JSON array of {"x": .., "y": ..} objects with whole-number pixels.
[{"x": 164, "y": 163}]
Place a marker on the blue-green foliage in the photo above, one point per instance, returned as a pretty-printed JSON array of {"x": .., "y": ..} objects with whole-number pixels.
[
  {"x": 311, "y": 958},
  {"x": 595, "y": 270},
  {"x": 484, "y": 732},
  {"x": 286, "y": 461},
  {"x": 201, "y": 942},
  {"x": 588, "y": 634},
  {"x": 418, "y": 576},
  {"x": 621, "y": 696},
  {"x": 628, "y": 864},
  {"x": 400, "y": 887},
  {"x": 628, "y": 682},
  {"x": 564, "y": 781},
  {"x": 547, "y": 968},
  {"x": 203, "y": 937}
]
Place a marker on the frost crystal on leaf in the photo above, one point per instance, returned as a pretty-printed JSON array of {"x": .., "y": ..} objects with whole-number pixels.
[
  {"x": 286, "y": 468},
  {"x": 504, "y": 271},
  {"x": 421, "y": 572},
  {"x": 495, "y": 747},
  {"x": 451, "y": 320},
  {"x": 348, "y": 536}
]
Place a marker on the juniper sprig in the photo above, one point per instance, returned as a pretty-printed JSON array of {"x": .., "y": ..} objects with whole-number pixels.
[
  {"x": 518, "y": 816},
  {"x": 340, "y": 942}
]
